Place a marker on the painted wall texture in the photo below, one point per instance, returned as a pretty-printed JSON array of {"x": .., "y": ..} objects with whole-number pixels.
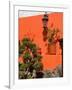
[{"x": 32, "y": 27}]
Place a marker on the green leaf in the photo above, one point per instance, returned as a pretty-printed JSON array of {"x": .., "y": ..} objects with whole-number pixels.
[
  {"x": 26, "y": 42},
  {"x": 21, "y": 48},
  {"x": 27, "y": 56},
  {"x": 33, "y": 47},
  {"x": 39, "y": 57},
  {"x": 38, "y": 66}
]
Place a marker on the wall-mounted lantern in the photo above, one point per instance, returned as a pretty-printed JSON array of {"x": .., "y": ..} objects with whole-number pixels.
[{"x": 45, "y": 28}]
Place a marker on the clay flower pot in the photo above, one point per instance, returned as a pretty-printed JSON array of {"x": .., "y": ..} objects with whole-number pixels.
[{"x": 52, "y": 48}]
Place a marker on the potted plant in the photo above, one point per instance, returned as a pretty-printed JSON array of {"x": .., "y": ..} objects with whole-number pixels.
[{"x": 52, "y": 38}]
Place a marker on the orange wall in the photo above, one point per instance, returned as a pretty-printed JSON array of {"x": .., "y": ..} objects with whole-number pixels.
[{"x": 32, "y": 26}]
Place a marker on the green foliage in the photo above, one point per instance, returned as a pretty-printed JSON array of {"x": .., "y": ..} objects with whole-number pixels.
[
  {"x": 26, "y": 42},
  {"x": 33, "y": 47},
  {"x": 32, "y": 66},
  {"x": 32, "y": 59},
  {"x": 57, "y": 72},
  {"x": 27, "y": 56},
  {"x": 48, "y": 74},
  {"x": 21, "y": 74},
  {"x": 39, "y": 57},
  {"x": 21, "y": 48},
  {"x": 38, "y": 66},
  {"x": 22, "y": 66}
]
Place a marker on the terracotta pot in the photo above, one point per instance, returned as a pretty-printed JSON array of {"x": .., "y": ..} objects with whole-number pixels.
[{"x": 52, "y": 49}]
